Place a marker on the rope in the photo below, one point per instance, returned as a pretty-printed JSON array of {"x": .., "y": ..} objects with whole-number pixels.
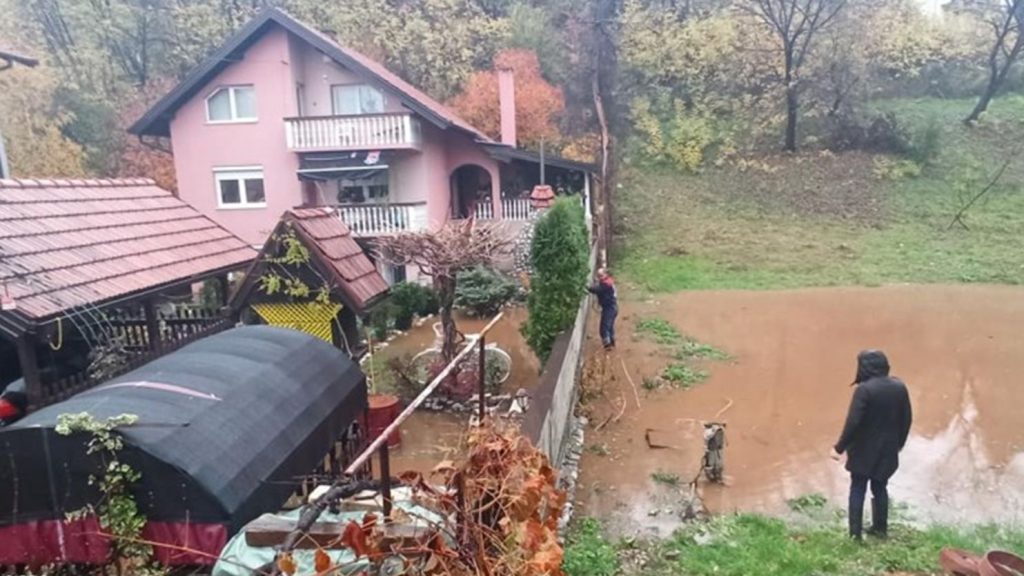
[{"x": 60, "y": 336}]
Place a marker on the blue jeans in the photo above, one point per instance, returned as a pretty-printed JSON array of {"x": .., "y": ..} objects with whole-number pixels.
[
  {"x": 879, "y": 504},
  {"x": 608, "y": 325}
]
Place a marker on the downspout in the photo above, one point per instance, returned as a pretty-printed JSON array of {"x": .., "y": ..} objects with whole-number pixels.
[{"x": 5, "y": 169}]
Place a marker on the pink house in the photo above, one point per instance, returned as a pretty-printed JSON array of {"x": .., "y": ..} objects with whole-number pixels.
[{"x": 283, "y": 116}]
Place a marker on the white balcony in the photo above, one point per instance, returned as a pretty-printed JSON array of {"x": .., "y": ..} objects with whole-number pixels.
[
  {"x": 368, "y": 220},
  {"x": 368, "y": 132},
  {"x": 511, "y": 209}
]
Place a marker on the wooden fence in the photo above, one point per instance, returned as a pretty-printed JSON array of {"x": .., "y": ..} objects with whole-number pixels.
[{"x": 176, "y": 330}]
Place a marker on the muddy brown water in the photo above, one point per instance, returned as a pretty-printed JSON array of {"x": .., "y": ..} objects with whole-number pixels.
[
  {"x": 428, "y": 438},
  {"x": 959, "y": 349}
]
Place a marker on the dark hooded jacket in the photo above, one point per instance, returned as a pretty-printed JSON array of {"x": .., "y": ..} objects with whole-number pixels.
[{"x": 878, "y": 421}]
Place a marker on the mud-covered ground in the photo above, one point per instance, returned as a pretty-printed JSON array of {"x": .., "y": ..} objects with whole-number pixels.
[{"x": 785, "y": 392}]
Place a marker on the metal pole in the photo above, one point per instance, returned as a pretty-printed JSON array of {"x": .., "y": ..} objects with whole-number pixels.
[
  {"x": 483, "y": 381},
  {"x": 375, "y": 445},
  {"x": 542, "y": 162},
  {"x": 385, "y": 479}
]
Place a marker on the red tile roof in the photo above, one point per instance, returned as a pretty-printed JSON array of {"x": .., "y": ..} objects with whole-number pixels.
[
  {"x": 331, "y": 244},
  {"x": 356, "y": 275},
  {"x": 71, "y": 243}
]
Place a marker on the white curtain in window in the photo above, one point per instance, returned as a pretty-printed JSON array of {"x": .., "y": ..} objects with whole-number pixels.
[
  {"x": 245, "y": 102},
  {"x": 356, "y": 99},
  {"x": 219, "y": 106}
]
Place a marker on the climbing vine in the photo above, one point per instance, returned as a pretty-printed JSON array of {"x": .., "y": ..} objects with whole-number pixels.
[
  {"x": 279, "y": 280},
  {"x": 117, "y": 511}
]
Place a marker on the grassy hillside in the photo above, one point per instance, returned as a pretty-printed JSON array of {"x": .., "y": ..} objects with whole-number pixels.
[
  {"x": 818, "y": 219},
  {"x": 745, "y": 545}
]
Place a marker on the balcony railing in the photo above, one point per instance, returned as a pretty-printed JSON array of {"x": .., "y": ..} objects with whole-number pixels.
[
  {"x": 366, "y": 220},
  {"x": 368, "y": 132},
  {"x": 511, "y": 209}
]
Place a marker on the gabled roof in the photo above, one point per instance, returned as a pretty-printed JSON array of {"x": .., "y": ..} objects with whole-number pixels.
[
  {"x": 156, "y": 121},
  {"x": 333, "y": 252},
  {"x": 67, "y": 244}
]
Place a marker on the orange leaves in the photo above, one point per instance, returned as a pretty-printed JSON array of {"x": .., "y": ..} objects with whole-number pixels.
[
  {"x": 512, "y": 504},
  {"x": 538, "y": 103},
  {"x": 354, "y": 538},
  {"x": 322, "y": 562},
  {"x": 286, "y": 564}
]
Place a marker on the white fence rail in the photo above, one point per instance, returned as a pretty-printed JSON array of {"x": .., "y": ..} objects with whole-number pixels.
[
  {"x": 353, "y": 132},
  {"x": 366, "y": 220},
  {"x": 511, "y": 209}
]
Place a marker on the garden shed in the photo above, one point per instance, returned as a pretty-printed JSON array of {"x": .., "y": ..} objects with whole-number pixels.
[
  {"x": 312, "y": 276},
  {"x": 226, "y": 428}
]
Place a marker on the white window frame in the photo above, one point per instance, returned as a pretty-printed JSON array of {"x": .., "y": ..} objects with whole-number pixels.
[
  {"x": 231, "y": 105},
  {"x": 239, "y": 174},
  {"x": 360, "y": 85}
]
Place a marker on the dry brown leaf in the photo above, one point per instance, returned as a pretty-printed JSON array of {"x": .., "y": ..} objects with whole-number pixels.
[
  {"x": 286, "y": 564},
  {"x": 322, "y": 561}
]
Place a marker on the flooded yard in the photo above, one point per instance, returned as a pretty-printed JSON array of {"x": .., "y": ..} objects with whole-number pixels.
[
  {"x": 430, "y": 437},
  {"x": 785, "y": 391}
]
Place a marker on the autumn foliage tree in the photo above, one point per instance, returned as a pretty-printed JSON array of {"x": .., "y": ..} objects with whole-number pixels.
[{"x": 538, "y": 103}]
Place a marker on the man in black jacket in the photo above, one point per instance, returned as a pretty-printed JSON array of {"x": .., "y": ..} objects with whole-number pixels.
[
  {"x": 876, "y": 429},
  {"x": 606, "y": 297}
]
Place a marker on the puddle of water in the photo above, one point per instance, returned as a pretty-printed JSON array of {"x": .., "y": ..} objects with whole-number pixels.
[
  {"x": 958, "y": 349},
  {"x": 525, "y": 367},
  {"x": 430, "y": 437}
]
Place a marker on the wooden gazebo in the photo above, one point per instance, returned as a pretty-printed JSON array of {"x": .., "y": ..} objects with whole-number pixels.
[
  {"x": 86, "y": 265},
  {"x": 311, "y": 275}
]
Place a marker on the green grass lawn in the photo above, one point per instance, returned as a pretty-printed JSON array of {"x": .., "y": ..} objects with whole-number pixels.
[
  {"x": 817, "y": 219},
  {"x": 747, "y": 545}
]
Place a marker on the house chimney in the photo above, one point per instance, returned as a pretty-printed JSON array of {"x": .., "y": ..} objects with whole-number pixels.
[{"x": 507, "y": 103}]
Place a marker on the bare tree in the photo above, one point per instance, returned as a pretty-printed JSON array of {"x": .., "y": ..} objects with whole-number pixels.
[
  {"x": 1007, "y": 20},
  {"x": 442, "y": 255},
  {"x": 795, "y": 23}
]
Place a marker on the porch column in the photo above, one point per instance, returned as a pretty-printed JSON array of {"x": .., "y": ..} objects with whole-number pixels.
[
  {"x": 586, "y": 204},
  {"x": 152, "y": 325},
  {"x": 496, "y": 193},
  {"x": 224, "y": 285},
  {"x": 30, "y": 370}
]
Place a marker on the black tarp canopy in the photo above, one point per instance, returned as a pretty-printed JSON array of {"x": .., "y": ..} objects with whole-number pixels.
[{"x": 225, "y": 426}]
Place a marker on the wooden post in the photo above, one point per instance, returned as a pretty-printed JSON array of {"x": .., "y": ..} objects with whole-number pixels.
[
  {"x": 223, "y": 286},
  {"x": 483, "y": 380},
  {"x": 30, "y": 370},
  {"x": 152, "y": 325},
  {"x": 385, "y": 480}
]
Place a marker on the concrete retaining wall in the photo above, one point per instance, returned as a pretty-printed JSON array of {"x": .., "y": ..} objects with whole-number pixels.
[{"x": 549, "y": 421}]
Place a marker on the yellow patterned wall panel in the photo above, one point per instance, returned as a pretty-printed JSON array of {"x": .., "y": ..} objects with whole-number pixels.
[{"x": 311, "y": 318}]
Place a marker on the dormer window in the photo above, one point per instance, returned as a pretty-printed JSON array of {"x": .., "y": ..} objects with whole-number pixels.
[
  {"x": 232, "y": 104},
  {"x": 352, "y": 99}
]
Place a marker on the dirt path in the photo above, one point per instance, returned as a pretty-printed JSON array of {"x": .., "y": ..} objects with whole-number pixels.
[{"x": 959, "y": 349}]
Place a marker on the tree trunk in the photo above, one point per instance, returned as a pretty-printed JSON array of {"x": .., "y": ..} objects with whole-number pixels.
[
  {"x": 983, "y": 101},
  {"x": 445, "y": 287},
  {"x": 996, "y": 72},
  {"x": 792, "y": 110},
  {"x": 792, "y": 102}
]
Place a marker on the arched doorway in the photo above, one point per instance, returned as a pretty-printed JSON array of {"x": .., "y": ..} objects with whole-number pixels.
[{"x": 470, "y": 187}]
